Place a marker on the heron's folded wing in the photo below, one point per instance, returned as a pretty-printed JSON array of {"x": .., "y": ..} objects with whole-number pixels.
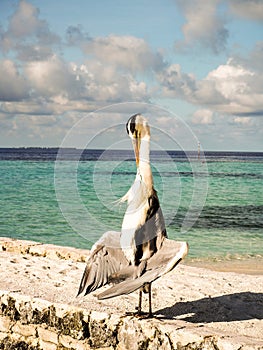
[
  {"x": 106, "y": 258},
  {"x": 170, "y": 254}
]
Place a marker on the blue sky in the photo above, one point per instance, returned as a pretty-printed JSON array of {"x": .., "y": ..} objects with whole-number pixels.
[{"x": 198, "y": 63}]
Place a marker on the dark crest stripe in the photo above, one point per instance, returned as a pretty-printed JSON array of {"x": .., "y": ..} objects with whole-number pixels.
[{"x": 130, "y": 126}]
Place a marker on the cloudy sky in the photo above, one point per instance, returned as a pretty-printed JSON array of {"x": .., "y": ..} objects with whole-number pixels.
[{"x": 196, "y": 63}]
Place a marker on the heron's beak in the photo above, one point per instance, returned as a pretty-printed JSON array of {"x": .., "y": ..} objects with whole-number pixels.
[{"x": 136, "y": 146}]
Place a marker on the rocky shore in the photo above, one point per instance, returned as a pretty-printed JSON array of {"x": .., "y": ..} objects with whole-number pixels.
[{"x": 195, "y": 308}]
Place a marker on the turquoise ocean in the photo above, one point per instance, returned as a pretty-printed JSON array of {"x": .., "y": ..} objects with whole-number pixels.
[{"x": 215, "y": 202}]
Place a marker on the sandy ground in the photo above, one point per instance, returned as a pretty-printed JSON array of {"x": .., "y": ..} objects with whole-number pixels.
[
  {"x": 224, "y": 303},
  {"x": 250, "y": 266}
]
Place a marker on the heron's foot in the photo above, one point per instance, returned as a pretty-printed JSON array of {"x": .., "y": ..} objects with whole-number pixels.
[
  {"x": 144, "y": 315},
  {"x": 140, "y": 314}
]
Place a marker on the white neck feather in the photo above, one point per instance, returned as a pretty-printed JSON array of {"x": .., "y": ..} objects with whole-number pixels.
[{"x": 144, "y": 164}]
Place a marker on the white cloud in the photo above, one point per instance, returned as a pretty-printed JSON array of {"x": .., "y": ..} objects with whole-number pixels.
[
  {"x": 243, "y": 120},
  {"x": 176, "y": 83},
  {"x": 206, "y": 93},
  {"x": 164, "y": 121},
  {"x": 231, "y": 88},
  {"x": 249, "y": 9},
  {"x": 13, "y": 86},
  {"x": 202, "y": 116},
  {"x": 104, "y": 82},
  {"x": 204, "y": 25},
  {"x": 29, "y": 35},
  {"x": 230, "y": 79},
  {"x": 38, "y": 85},
  {"x": 239, "y": 85},
  {"x": 125, "y": 52},
  {"x": 52, "y": 77},
  {"x": 253, "y": 60},
  {"x": 25, "y": 20},
  {"x": 54, "y": 86},
  {"x": 6, "y": 122}
]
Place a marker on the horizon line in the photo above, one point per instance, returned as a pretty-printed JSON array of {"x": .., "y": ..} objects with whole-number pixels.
[{"x": 119, "y": 149}]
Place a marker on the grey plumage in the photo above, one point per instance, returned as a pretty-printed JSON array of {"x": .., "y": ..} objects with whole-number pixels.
[
  {"x": 106, "y": 258},
  {"x": 108, "y": 264},
  {"x": 165, "y": 260}
]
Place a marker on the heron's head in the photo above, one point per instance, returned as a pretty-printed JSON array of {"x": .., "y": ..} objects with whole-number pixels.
[{"x": 138, "y": 129}]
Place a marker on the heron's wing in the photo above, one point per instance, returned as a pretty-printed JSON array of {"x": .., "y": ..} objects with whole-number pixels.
[
  {"x": 170, "y": 254},
  {"x": 106, "y": 258}
]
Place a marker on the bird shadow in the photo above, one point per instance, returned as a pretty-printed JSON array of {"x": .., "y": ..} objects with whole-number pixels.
[{"x": 230, "y": 307}]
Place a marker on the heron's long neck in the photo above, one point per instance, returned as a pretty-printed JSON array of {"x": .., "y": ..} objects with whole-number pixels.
[{"x": 144, "y": 164}]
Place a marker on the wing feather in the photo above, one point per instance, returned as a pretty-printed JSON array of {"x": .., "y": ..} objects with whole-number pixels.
[
  {"x": 166, "y": 259},
  {"x": 106, "y": 257}
]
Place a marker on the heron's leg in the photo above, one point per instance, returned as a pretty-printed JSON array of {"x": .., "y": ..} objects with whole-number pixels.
[
  {"x": 140, "y": 302},
  {"x": 150, "y": 299}
]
